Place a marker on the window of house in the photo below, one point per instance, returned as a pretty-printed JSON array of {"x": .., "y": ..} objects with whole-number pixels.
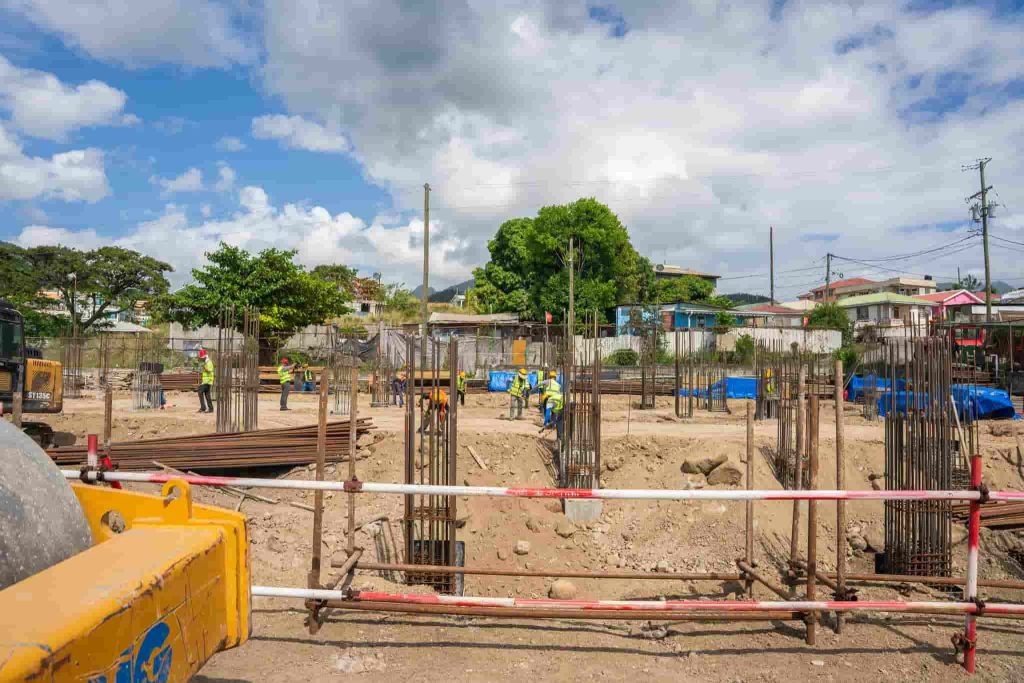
[
  {"x": 896, "y": 312},
  {"x": 862, "y": 313},
  {"x": 364, "y": 307}
]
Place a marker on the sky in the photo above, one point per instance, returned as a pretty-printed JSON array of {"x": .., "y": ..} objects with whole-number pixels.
[{"x": 169, "y": 126}]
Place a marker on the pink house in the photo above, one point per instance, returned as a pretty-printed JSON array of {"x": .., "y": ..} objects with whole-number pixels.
[{"x": 945, "y": 300}]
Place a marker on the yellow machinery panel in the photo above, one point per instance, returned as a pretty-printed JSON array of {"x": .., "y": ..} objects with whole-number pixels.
[
  {"x": 44, "y": 386},
  {"x": 164, "y": 588}
]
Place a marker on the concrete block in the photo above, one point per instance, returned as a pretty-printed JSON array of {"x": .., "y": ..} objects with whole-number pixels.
[{"x": 582, "y": 510}]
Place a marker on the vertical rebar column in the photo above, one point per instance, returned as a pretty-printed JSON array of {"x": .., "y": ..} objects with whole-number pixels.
[
  {"x": 410, "y": 452},
  {"x": 313, "y": 580},
  {"x": 749, "y": 546},
  {"x": 812, "y": 515},
  {"x": 797, "y": 480},
  {"x": 353, "y": 424},
  {"x": 840, "y": 504}
]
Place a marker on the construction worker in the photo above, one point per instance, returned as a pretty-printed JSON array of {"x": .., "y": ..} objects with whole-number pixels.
[
  {"x": 517, "y": 389},
  {"x": 284, "y": 374},
  {"x": 398, "y": 388},
  {"x": 437, "y": 403},
  {"x": 308, "y": 380},
  {"x": 556, "y": 402},
  {"x": 460, "y": 387},
  {"x": 546, "y": 388},
  {"x": 206, "y": 377}
]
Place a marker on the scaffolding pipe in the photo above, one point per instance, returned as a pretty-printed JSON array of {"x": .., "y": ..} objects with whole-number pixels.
[
  {"x": 551, "y": 604},
  {"x": 527, "y": 492}
]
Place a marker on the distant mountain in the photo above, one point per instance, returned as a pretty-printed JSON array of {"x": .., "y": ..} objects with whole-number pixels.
[
  {"x": 445, "y": 295},
  {"x": 743, "y": 298},
  {"x": 418, "y": 292},
  {"x": 998, "y": 286}
]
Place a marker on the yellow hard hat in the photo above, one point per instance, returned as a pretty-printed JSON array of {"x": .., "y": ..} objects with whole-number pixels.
[
  {"x": 462, "y": 373},
  {"x": 522, "y": 371},
  {"x": 552, "y": 374}
]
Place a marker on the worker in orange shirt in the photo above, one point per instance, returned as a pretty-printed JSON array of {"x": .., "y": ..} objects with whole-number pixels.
[{"x": 437, "y": 404}]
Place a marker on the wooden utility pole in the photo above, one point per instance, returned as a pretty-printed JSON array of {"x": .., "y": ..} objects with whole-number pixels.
[
  {"x": 771, "y": 261},
  {"x": 828, "y": 275},
  {"x": 979, "y": 212},
  {"x": 424, "y": 313},
  {"x": 572, "y": 302}
]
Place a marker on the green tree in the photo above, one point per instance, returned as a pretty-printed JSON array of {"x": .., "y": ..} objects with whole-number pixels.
[
  {"x": 89, "y": 283},
  {"x": 968, "y": 282},
  {"x": 686, "y": 288},
  {"x": 288, "y": 298},
  {"x": 725, "y": 320},
  {"x": 744, "y": 348},
  {"x": 528, "y": 271},
  {"x": 831, "y": 317},
  {"x": 341, "y": 276},
  {"x": 399, "y": 300}
]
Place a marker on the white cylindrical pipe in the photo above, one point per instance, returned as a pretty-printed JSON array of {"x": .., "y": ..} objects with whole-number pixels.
[
  {"x": 498, "y": 491},
  {"x": 627, "y": 605}
]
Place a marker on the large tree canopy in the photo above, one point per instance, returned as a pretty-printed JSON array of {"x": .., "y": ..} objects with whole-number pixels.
[
  {"x": 287, "y": 297},
  {"x": 528, "y": 271},
  {"x": 89, "y": 283}
]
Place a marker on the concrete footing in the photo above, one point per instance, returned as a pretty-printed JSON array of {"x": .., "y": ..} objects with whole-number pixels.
[{"x": 582, "y": 510}]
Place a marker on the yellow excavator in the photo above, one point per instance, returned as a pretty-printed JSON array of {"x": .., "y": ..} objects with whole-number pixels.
[
  {"x": 41, "y": 382},
  {"x": 99, "y": 585}
]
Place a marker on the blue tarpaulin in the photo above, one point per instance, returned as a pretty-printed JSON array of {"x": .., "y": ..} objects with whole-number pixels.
[
  {"x": 972, "y": 402},
  {"x": 735, "y": 387},
  {"x": 858, "y": 385}
]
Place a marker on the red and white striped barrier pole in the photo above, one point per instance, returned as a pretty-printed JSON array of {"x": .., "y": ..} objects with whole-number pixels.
[
  {"x": 523, "y": 492},
  {"x": 92, "y": 458},
  {"x": 637, "y": 605},
  {"x": 973, "y": 541}
]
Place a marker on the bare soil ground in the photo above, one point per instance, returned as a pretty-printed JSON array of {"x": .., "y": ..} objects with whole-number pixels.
[{"x": 641, "y": 449}]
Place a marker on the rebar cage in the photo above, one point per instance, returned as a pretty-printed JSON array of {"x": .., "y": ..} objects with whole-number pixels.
[
  {"x": 236, "y": 384},
  {"x": 927, "y": 446},
  {"x": 431, "y": 444},
  {"x": 579, "y": 450}
]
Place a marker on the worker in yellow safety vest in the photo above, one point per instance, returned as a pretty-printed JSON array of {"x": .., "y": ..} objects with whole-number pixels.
[
  {"x": 284, "y": 374},
  {"x": 543, "y": 389},
  {"x": 308, "y": 380},
  {"x": 517, "y": 390},
  {"x": 556, "y": 402},
  {"x": 206, "y": 376},
  {"x": 460, "y": 387}
]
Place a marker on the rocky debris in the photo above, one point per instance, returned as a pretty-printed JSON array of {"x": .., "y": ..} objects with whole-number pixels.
[
  {"x": 856, "y": 542},
  {"x": 562, "y": 589},
  {"x": 1002, "y": 428},
  {"x": 502, "y": 554},
  {"x": 355, "y": 664},
  {"x": 521, "y": 548},
  {"x": 703, "y": 466},
  {"x": 565, "y": 528},
  {"x": 532, "y": 524},
  {"x": 727, "y": 475},
  {"x": 875, "y": 541},
  {"x": 662, "y": 566},
  {"x": 612, "y": 464},
  {"x": 650, "y": 631}
]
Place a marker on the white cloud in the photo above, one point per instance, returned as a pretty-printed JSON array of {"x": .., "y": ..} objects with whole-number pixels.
[
  {"x": 296, "y": 132},
  {"x": 189, "y": 181},
  {"x": 205, "y": 210},
  {"x": 42, "y": 106},
  {"x": 317, "y": 235},
  {"x": 76, "y": 175},
  {"x": 701, "y": 126},
  {"x": 226, "y": 176},
  {"x": 130, "y": 120},
  {"x": 230, "y": 144},
  {"x": 197, "y": 33}
]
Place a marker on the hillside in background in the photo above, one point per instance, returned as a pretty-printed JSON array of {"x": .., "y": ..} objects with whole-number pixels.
[{"x": 743, "y": 298}]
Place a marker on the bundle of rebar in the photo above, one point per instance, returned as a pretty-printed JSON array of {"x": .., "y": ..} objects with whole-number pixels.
[
  {"x": 994, "y": 515},
  {"x": 179, "y": 381},
  {"x": 260, "y": 448}
]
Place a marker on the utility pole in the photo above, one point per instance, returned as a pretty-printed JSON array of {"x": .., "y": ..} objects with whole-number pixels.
[
  {"x": 425, "y": 314},
  {"x": 980, "y": 212},
  {"x": 828, "y": 275},
  {"x": 771, "y": 261}
]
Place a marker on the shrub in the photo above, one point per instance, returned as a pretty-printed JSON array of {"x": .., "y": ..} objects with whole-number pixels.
[{"x": 623, "y": 358}]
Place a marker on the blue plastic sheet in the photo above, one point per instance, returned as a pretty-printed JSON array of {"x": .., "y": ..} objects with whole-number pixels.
[
  {"x": 735, "y": 387},
  {"x": 858, "y": 385},
  {"x": 972, "y": 402}
]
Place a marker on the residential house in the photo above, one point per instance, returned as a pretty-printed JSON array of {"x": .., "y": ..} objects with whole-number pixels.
[
  {"x": 682, "y": 315},
  {"x": 766, "y": 315},
  {"x": 858, "y": 286},
  {"x": 367, "y": 298},
  {"x": 663, "y": 271},
  {"x": 456, "y": 324},
  {"x": 951, "y": 303},
  {"x": 886, "y": 309},
  {"x": 803, "y": 305}
]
